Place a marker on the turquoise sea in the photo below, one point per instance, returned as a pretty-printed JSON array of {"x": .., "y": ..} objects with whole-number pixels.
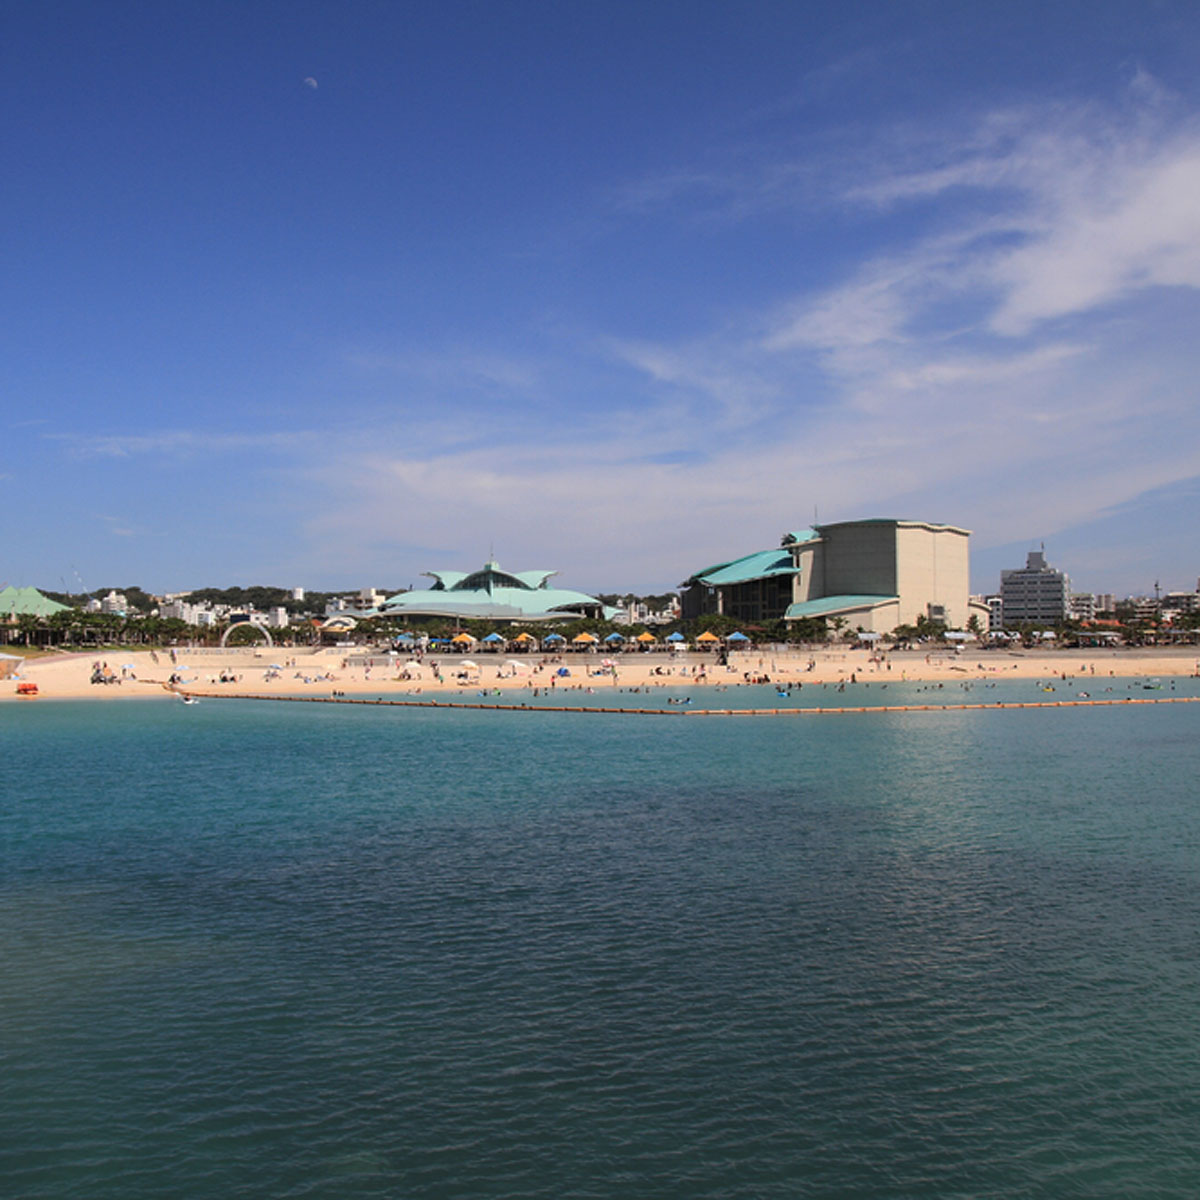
[{"x": 286, "y": 950}]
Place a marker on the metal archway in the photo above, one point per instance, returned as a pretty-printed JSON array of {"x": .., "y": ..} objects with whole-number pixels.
[{"x": 247, "y": 625}]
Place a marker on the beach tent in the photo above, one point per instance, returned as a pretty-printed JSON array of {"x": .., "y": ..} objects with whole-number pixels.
[
  {"x": 676, "y": 637},
  {"x": 524, "y": 638},
  {"x": 737, "y": 637},
  {"x": 615, "y": 637},
  {"x": 646, "y": 638},
  {"x": 584, "y": 639},
  {"x": 554, "y": 637},
  {"x": 707, "y": 637},
  {"x": 494, "y": 642},
  {"x": 462, "y": 639}
]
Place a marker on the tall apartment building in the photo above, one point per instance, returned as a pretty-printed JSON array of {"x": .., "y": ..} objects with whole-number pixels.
[
  {"x": 1083, "y": 606},
  {"x": 1035, "y": 594}
]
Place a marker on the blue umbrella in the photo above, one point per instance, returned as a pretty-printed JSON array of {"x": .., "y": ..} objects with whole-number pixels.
[
  {"x": 737, "y": 637},
  {"x": 554, "y": 637},
  {"x": 615, "y": 637},
  {"x": 676, "y": 637},
  {"x": 493, "y": 637}
]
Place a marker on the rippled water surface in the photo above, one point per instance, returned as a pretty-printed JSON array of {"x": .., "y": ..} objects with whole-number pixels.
[{"x": 310, "y": 951}]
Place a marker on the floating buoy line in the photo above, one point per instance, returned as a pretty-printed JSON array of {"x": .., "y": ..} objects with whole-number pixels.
[{"x": 380, "y": 702}]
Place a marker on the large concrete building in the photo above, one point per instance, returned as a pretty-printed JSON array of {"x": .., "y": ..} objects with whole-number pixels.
[
  {"x": 1035, "y": 594},
  {"x": 874, "y": 574}
]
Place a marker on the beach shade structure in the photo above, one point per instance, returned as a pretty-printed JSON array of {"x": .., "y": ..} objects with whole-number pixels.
[
  {"x": 412, "y": 665},
  {"x": 469, "y": 664},
  {"x": 584, "y": 639},
  {"x": 515, "y": 664},
  {"x": 524, "y": 637},
  {"x": 676, "y": 637},
  {"x": 646, "y": 638},
  {"x": 554, "y": 637},
  {"x": 615, "y": 637},
  {"x": 492, "y": 639},
  {"x": 462, "y": 639},
  {"x": 707, "y": 638},
  {"x": 737, "y": 637}
]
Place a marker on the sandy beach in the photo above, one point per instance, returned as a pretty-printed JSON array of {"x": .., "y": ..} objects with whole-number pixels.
[{"x": 323, "y": 672}]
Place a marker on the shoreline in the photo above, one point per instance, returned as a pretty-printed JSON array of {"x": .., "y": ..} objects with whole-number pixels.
[{"x": 323, "y": 673}]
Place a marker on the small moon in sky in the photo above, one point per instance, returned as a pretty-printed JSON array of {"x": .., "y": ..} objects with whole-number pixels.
[{"x": 310, "y": 82}]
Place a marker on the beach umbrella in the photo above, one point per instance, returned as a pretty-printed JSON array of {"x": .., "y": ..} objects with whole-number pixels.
[
  {"x": 675, "y": 637},
  {"x": 469, "y": 664},
  {"x": 516, "y": 664},
  {"x": 462, "y": 639},
  {"x": 615, "y": 637},
  {"x": 646, "y": 638},
  {"x": 737, "y": 637},
  {"x": 524, "y": 636},
  {"x": 554, "y": 637},
  {"x": 493, "y": 638},
  {"x": 584, "y": 639},
  {"x": 708, "y": 636}
]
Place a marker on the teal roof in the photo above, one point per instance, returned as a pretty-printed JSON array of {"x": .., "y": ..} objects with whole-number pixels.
[
  {"x": 491, "y": 594},
  {"x": 28, "y": 601},
  {"x": 760, "y": 565},
  {"x": 829, "y": 606},
  {"x": 800, "y": 535}
]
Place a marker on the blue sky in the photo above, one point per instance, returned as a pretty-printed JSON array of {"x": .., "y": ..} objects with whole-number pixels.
[{"x": 332, "y": 294}]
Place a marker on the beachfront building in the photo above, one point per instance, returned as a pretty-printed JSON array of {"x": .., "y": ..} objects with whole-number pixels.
[
  {"x": 491, "y": 594},
  {"x": 1035, "y": 594},
  {"x": 873, "y": 574},
  {"x": 1083, "y": 606},
  {"x": 26, "y": 602}
]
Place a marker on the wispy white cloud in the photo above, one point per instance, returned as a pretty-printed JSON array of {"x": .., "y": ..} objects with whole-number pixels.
[{"x": 176, "y": 443}]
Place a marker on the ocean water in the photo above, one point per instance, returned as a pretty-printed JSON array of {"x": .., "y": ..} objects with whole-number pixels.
[{"x": 282, "y": 950}]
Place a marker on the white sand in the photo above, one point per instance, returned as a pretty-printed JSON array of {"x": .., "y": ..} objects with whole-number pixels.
[{"x": 322, "y": 672}]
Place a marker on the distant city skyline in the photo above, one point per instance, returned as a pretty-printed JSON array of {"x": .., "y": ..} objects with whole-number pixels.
[{"x": 316, "y": 294}]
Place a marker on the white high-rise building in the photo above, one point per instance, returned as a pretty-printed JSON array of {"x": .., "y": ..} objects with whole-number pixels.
[{"x": 1035, "y": 594}]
